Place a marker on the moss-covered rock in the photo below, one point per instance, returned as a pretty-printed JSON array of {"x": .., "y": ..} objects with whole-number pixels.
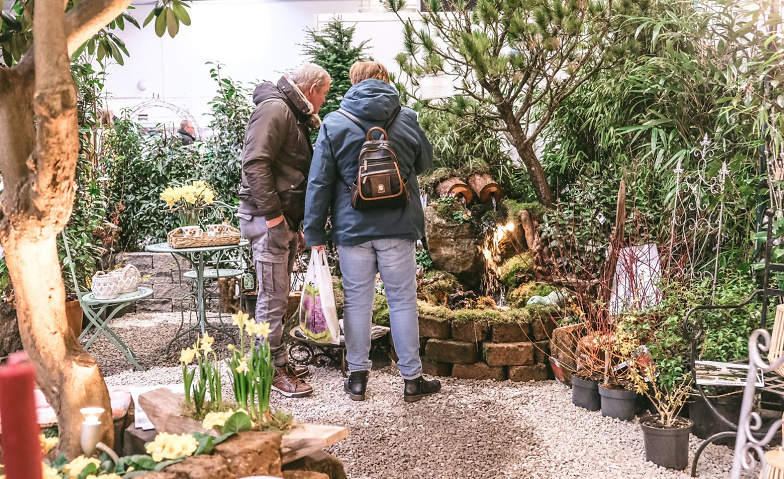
[
  {"x": 517, "y": 270},
  {"x": 519, "y": 296},
  {"x": 381, "y": 310},
  {"x": 436, "y": 285},
  {"x": 440, "y": 313}
]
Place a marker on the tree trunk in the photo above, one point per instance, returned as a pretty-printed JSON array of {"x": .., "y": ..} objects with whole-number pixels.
[
  {"x": 38, "y": 154},
  {"x": 68, "y": 377},
  {"x": 524, "y": 148}
]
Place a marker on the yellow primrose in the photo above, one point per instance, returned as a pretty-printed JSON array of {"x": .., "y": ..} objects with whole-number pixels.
[
  {"x": 48, "y": 472},
  {"x": 243, "y": 367},
  {"x": 47, "y": 443},
  {"x": 75, "y": 467},
  {"x": 104, "y": 476},
  {"x": 169, "y": 446},
  {"x": 216, "y": 419},
  {"x": 239, "y": 319}
]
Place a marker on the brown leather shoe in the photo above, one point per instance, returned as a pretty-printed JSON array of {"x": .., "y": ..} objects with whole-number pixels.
[
  {"x": 300, "y": 371},
  {"x": 287, "y": 383}
]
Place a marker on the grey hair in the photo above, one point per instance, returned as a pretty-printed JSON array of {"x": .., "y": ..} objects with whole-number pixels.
[
  {"x": 308, "y": 75},
  {"x": 185, "y": 123}
]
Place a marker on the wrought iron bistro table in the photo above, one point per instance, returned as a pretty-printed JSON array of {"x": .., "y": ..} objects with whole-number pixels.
[{"x": 198, "y": 259}]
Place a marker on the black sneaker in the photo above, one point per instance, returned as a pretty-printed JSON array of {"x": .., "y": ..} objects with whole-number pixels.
[
  {"x": 416, "y": 389},
  {"x": 356, "y": 384}
]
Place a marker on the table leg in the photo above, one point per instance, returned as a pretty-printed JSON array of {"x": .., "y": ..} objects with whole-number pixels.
[
  {"x": 201, "y": 315},
  {"x": 101, "y": 328}
]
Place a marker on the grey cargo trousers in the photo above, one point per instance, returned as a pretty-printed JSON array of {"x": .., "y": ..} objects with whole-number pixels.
[{"x": 274, "y": 251}]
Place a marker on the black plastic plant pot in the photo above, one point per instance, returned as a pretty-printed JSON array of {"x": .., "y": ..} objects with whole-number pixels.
[
  {"x": 666, "y": 446},
  {"x": 250, "y": 304},
  {"x": 706, "y": 423},
  {"x": 618, "y": 403},
  {"x": 585, "y": 393}
]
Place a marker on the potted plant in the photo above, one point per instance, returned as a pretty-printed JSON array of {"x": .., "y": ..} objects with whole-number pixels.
[
  {"x": 618, "y": 399},
  {"x": 658, "y": 374}
]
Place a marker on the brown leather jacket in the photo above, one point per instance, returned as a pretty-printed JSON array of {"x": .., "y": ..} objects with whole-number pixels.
[{"x": 277, "y": 153}]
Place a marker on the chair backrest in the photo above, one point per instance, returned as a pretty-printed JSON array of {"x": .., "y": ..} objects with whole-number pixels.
[{"x": 70, "y": 264}]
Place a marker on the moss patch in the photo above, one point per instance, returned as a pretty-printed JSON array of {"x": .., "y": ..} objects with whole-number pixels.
[
  {"x": 440, "y": 313},
  {"x": 437, "y": 285},
  {"x": 516, "y": 270},
  {"x": 519, "y": 296}
]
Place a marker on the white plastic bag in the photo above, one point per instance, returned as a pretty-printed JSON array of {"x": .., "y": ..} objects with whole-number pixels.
[{"x": 318, "y": 317}]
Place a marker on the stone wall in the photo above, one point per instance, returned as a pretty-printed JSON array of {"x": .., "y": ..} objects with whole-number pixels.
[
  {"x": 159, "y": 272},
  {"x": 492, "y": 345}
]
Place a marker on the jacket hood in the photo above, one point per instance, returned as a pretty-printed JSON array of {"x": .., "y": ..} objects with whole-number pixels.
[
  {"x": 287, "y": 91},
  {"x": 372, "y": 100}
]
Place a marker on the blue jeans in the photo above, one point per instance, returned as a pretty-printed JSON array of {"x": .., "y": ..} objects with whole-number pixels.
[{"x": 394, "y": 259}]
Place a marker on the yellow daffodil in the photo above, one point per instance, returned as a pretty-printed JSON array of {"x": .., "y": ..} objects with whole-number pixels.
[
  {"x": 239, "y": 319},
  {"x": 242, "y": 368},
  {"x": 187, "y": 355},
  {"x": 47, "y": 443},
  {"x": 230, "y": 347},
  {"x": 216, "y": 419},
  {"x": 75, "y": 467},
  {"x": 207, "y": 339},
  {"x": 264, "y": 330},
  {"x": 168, "y": 446}
]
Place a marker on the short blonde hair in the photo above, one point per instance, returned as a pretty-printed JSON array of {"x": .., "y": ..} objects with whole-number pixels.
[{"x": 361, "y": 71}]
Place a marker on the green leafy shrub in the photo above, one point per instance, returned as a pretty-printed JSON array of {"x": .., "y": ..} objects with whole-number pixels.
[{"x": 423, "y": 259}]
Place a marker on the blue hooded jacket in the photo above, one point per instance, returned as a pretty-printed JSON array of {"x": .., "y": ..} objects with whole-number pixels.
[{"x": 336, "y": 164}]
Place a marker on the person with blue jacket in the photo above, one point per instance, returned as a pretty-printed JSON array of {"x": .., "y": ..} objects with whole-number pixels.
[{"x": 376, "y": 241}]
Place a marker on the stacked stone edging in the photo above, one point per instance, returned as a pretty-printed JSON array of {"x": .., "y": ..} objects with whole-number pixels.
[{"x": 493, "y": 345}]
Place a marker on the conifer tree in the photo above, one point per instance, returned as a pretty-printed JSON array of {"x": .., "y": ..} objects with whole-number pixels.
[{"x": 332, "y": 49}]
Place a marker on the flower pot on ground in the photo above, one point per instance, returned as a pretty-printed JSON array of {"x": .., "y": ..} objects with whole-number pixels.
[
  {"x": 617, "y": 402},
  {"x": 666, "y": 446},
  {"x": 585, "y": 393},
  {"x": 705, "y": 421}
]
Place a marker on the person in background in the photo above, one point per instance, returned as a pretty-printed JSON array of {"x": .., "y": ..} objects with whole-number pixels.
[
  {"x": 276, "y": 160},
  {"x": 376, "y": 241},
  {"x": 187, "y": 132}
]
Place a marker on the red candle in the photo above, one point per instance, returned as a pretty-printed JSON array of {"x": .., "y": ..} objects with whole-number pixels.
[{"x": 22, "y": 453}]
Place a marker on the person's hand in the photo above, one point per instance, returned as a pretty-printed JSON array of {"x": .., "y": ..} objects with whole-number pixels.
[
  {"x": 319, "y": 247},
  {"x": 300, "y": 241},
  {"x": 274, "y": 222}
]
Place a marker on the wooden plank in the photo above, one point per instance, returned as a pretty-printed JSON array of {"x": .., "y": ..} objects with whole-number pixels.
[
  {"x": 164, "y": 409},
  {"x": 309, "y": 438}
]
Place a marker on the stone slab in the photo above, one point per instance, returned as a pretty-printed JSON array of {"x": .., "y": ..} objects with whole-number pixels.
[
  {"x": 536, "y": 372},
  {"x": 433, "y": 328},
  {"x": 510, "y": 332},
  {"x": 508, "y": 354},
  {"x": 433, "y": 368},
  {"x": 470, "y": 331},
  {"x": 453, "y": 352},
  {"x": 478, "y": 371}
]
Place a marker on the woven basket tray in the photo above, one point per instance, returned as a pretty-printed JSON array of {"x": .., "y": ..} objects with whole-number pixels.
[{"x": 176, "y": 239}]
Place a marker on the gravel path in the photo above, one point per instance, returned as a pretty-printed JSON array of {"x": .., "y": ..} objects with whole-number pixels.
[{"x": 472, "y": 429}]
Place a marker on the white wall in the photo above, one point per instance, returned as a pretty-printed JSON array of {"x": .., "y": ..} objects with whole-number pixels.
[{"x": 253, "y": 39}]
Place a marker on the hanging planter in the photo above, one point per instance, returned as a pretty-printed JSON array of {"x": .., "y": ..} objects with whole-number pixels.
[
  {"x": 618, "y": 403},
  {"x": 585, "y": 393},
  {"x": 666, "y": 446}
]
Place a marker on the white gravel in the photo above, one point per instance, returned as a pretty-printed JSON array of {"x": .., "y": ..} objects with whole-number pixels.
[{"x": 472, "y": 429}]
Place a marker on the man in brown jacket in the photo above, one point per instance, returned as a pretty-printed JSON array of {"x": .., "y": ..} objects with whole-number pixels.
[{"x": 276, "y": 160}]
